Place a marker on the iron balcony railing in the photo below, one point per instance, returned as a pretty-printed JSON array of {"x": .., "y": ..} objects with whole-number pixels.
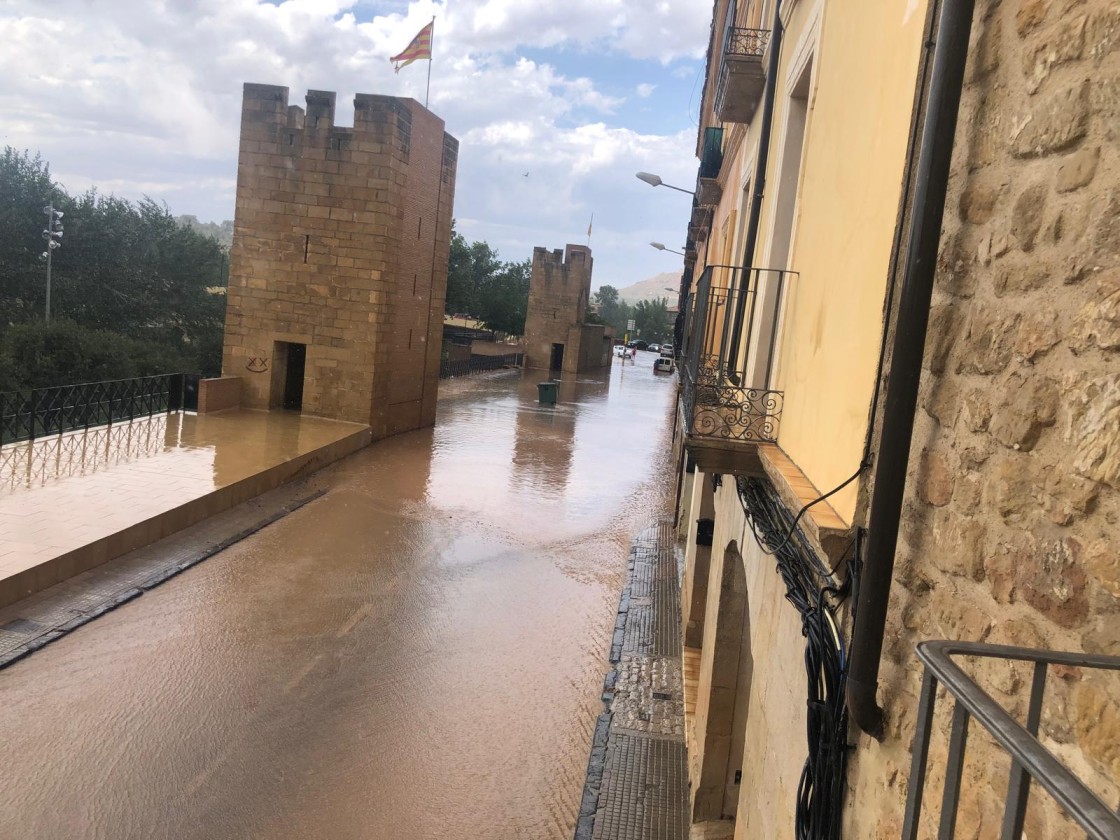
[
  {"x": 741, "y": 75},
  {"x": 1030, "y": 761},
  {"x": 39, "y": 412},
  {"x": 731, "y": 336}
]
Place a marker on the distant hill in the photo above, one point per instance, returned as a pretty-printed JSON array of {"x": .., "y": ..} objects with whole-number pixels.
[{"x": 653, "y": 287}]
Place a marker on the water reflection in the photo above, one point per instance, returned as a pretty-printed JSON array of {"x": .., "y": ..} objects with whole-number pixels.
[{"x": 415, "y": 655}]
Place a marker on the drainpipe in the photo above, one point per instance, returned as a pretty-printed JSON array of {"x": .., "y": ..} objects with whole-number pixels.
[
  {"x": 759, "y": 184},
  {"x": 950, "y": 52}
]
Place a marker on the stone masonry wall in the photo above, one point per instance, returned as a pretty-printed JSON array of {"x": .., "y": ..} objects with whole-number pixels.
[
  {"x": 1009, "y": 530},
  {"x": 559, "y": 288},
  {"x": 341, "y": 238}
]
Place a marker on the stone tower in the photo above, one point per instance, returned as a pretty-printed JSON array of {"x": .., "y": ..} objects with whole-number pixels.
[
  {"x": 556, "y": 337},
  {"x": 338, "y": 270}
]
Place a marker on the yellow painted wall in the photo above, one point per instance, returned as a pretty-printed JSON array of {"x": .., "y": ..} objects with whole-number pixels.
[{"x": 853, "y": 156}]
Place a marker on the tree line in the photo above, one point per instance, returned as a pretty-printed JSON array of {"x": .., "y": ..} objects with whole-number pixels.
[
  {"x": 484, "y": 287},
  {"x": 652, "y": 321},
  {"x": 133, "y": 291}
]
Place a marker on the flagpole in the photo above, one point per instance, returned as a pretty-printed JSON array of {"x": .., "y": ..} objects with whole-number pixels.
[{"x": 431, "y": 45}]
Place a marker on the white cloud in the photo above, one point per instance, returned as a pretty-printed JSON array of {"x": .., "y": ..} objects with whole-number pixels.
[{"x": 138, "y": 97}]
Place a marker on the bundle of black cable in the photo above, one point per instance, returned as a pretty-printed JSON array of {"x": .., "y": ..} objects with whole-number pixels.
[{"x": 815, "y": 593}]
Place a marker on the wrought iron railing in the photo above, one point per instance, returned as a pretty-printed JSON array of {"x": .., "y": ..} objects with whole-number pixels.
[
  {"x": 1030, "y": 760},
  {"x": 44, "y": 460},
  {"x": 478, "y": 364},
  {"x": 731, "y": 336},
  {"x": 740, "y": 41},
  {"x": 39, "y": 412},
  {"x": 741, "y": 76}
]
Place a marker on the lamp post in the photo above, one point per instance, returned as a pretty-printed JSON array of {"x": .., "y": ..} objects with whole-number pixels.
[
  {"x": 660, "y": 246},
  {"x": 52, "y": 233},
  {"x": 655, "y": 181}
]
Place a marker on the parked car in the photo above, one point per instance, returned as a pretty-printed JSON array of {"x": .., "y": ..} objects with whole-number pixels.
[
  {"x": 667, "y": 350},
  {"x": 654, "y": 348},
  {"x": 663, "y": 365},
  {"x": 639, "y": 345}
]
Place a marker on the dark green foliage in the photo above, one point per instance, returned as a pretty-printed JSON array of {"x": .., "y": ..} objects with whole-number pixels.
[
  {"x": 652, "y": 320},
  {"x": 39, "y": 355},
  {"x": 612, "y": 311},
  {"x": 125, "y": 269},
  {"x": 484, "y": 287}
]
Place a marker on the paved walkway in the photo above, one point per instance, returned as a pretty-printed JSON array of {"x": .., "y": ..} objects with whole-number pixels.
[
  {"x": 86, "y": 492},
  {"x": 637, "y": 780}
]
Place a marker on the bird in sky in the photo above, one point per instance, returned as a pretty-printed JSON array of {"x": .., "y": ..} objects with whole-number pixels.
[{"x": 524, "y": 174}]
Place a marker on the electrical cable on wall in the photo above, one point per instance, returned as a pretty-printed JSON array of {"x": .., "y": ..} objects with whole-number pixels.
[{"x": 810, "y": 588}]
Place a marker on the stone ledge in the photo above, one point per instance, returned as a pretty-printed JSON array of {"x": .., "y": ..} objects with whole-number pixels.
[{"x": 829, "y": 533}]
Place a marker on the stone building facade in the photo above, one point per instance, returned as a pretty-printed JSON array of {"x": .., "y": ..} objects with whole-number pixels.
[
  {"x": 1008, "y": 528},
  {"x": 338, "y": 271},
  {"x": 556, "y": 337}
]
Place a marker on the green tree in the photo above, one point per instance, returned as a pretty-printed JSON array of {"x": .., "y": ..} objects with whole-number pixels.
[
  {"x": 613, "y": 310},
  {"x": 504, "y": 298},
  {"x": 652, "y": 320},
  {"x": 481, "y": 285},
  {"x": 129, "y": 268},
  {"x": 39, "y": 355}
]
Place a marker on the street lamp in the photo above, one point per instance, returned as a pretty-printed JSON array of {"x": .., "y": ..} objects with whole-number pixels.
[
  {"x": 52, "y": 233},
  {"x": 661, "y": 247},
  {"x": 655, "y": 181}
]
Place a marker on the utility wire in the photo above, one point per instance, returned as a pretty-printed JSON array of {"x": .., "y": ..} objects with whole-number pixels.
[{"x": 821, "y": 789}]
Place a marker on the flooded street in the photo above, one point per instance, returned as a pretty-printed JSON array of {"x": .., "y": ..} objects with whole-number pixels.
[{"x": 417, "y": 654}]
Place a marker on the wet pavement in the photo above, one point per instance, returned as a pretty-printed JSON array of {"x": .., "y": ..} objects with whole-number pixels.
[
  {"x": 63, "y": 492},
  {"x": 418, "y": 653},
  {"x": 637, "y": 776}
]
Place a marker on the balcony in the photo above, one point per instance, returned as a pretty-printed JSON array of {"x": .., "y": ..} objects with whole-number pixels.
[
  {"x": 708, "y": 192},
  {"x": 741, "y": 74},
  {"x": 711, "y": 155},
  {"x": 731, "y": 335}
]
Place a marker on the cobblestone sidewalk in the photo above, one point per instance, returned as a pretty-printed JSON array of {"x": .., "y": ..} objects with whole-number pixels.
[{"x": 636, "y": 777}]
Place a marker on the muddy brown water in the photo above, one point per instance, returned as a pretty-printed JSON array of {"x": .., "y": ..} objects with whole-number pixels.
[{"x": 418, "y": 654}]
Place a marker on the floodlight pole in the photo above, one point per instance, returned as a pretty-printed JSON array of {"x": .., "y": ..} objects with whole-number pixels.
[{"x": 52, "y": 233}]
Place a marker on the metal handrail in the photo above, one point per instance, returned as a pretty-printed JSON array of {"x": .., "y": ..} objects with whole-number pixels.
[
  {"x": 1029, "y": 759},
  {"x": 41, "y": 412}
]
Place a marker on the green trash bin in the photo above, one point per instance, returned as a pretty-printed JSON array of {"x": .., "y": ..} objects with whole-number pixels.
[{"x": 546, "y": 392}]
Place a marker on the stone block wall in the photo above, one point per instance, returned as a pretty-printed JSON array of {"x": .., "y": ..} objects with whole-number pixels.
[
  {"x": 559, "y": 288},
  {"x": 219, "y": 394},
  {"x": 1009, "y": 531},
  {"x": 341, "y": 241}
]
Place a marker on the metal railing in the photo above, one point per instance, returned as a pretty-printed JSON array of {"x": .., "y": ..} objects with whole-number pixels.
[
  {"x": 41, "y": 461},
  {"x": 731, "y": 336},
  {"x": 477, "y": 364},
  {"x": 39, "y": 412},
  {"x": 740, "y": 41},
  {"x": 1029, "y": 759}
]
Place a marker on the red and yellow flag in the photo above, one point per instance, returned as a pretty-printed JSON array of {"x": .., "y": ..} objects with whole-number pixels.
[{"x": 420, "y": 48}]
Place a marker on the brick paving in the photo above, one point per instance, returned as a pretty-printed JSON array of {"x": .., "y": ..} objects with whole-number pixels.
[{"x": 637, "y": 779}]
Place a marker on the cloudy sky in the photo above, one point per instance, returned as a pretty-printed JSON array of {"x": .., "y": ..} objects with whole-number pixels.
[{"x": 142, "y": 97}]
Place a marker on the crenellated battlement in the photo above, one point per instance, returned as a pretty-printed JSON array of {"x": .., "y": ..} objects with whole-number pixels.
[
  {"x": 274, "y": 125},
  {"x": 574, "y": 260}
]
